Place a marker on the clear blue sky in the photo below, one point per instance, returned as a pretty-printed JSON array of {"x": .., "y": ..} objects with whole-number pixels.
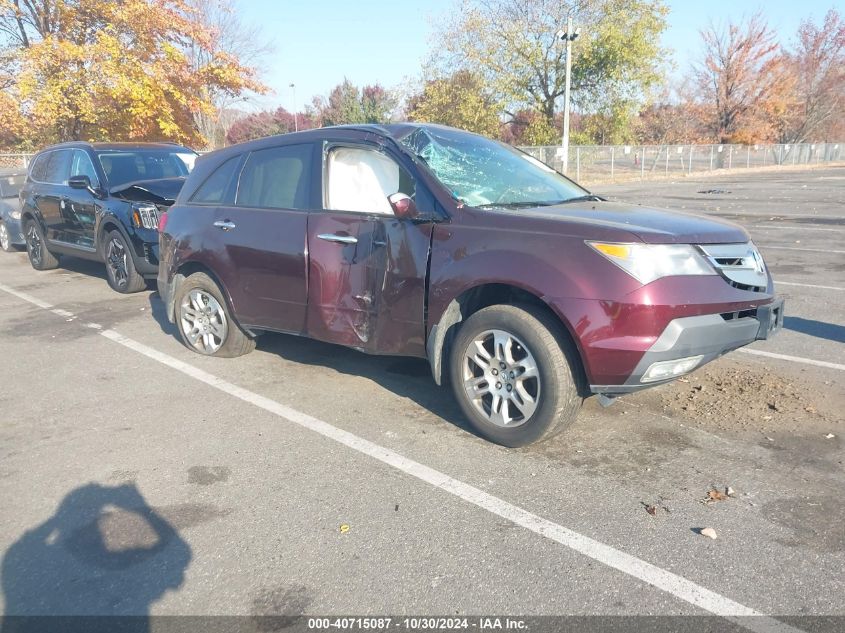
[{"x": 318, "y": 43}]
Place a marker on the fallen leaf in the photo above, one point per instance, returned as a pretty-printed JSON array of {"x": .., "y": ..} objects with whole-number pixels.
[
  {"x": 652, "y": 510},
  {"x": 709, "y": 533},
  {"x": 344, "y": 528},
  {"x": 715, "y": 495}
]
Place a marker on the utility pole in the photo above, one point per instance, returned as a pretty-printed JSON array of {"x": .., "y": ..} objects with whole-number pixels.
[
  {"x": 295, "y": 118},
  {"x": 569, "y": 35}
]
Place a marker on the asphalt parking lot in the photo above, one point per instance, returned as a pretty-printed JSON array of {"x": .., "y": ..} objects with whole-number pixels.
[{"x": 140, "y": 478}]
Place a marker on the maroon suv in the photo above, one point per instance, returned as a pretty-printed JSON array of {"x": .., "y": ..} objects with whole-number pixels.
[{"x": 521, "y": 288}]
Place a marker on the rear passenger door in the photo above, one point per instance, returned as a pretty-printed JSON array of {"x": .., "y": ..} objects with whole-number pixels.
[
  {"x": 263, "y": 236},
  {"x": 51, "y": 195}
]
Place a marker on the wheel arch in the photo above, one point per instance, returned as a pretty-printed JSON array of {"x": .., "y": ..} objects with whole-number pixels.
[{"x": 473, "y": 299}]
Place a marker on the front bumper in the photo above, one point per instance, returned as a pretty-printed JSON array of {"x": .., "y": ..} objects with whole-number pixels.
[{"x": 707, "y": 336}]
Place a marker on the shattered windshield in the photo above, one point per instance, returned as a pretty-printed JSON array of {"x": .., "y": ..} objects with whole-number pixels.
[{"x": 483, "y": 173}]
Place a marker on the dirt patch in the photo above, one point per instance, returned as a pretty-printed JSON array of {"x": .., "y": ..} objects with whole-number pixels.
[{"x": 733, "y": 397}]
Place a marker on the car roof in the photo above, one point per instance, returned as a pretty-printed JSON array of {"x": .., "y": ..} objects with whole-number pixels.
[
  {"x": 396, "y": 131},
  {"x": 100, "y": 146}
]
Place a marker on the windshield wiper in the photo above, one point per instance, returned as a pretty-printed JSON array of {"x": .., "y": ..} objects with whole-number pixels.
[
  {"x": 590, "y": 197},
  {"x": 519, "y": 205}
]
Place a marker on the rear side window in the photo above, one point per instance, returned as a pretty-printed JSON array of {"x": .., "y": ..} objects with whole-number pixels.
[
  {"x": 58, "y": 169},
  {"x": 38, "y": 171},
  {"x": 216, "y": 188},
  {"x": 277, "y": 178}
]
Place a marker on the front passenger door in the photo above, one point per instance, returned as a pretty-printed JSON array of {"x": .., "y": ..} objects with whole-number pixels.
[
  {"x": 80, "y": 206},
  {"x": 367, "y": 268}
]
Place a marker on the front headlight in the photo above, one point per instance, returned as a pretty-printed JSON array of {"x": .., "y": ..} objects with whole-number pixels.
[
  {"x": 145, "y": 216},
  {"x": 647, "y": 262},
  {"x": 15, "y": 215}
]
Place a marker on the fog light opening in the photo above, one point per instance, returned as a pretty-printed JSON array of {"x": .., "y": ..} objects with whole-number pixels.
[{"x": 670, "y": 368}]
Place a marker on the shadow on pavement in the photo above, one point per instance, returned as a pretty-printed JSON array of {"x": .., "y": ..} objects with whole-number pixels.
[
  {"x": 819, "y": 329},
  {"x": 404, "y": 376},
  {"x": 104, "y": 552}
]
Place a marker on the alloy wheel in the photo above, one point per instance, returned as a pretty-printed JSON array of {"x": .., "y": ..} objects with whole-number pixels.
[
  {"x": 501, "y": 378},
  {"x": 4, "y": 237},
  {"x": 203, "y": 321},
  {"x": 33, "y": 244},
  {"x": 116, "y": 261}
]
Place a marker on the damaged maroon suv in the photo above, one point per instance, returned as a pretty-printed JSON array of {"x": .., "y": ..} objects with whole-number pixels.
[{"x": 523, "y": 290}]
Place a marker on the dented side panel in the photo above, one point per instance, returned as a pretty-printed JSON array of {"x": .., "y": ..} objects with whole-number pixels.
[{"x": 370, "y": 294}]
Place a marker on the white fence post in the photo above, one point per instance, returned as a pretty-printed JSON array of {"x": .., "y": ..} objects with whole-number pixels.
[{"x": 612, "y": 154}]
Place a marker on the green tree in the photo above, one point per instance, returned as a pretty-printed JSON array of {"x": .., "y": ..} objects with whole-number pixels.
[
  {"x": 459, "y": 100},
  {"x": 347, "y": 104},
  {"x": 513, "y": 46}
]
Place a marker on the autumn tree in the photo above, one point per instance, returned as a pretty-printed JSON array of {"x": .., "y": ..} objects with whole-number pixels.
[
  {"x": 459, "y": 100},
  {"x": 742, "y": 72},
  {"x": 267, "y": 123},
  {"x": 230, "y": 35},
  {"x": 817, "y": 65},
  {"x": 347, "y": 104},
  {"x": 88, "y": 69},
  {"x": 512, "y": 45}
]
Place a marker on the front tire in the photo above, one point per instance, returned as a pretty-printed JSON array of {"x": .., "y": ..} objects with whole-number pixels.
[
  {"x": 5, "y": 238},
  {"x": 120, "y": 267},
  {"x": 514, "y": 372},
  {"x": 205, "y": 323},
  {"x": 36, "y": 248}
]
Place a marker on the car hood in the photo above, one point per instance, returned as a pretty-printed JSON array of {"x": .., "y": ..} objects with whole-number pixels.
[
  {"x": 658, "y": 226},
  {"x": 160, "y": 191}
]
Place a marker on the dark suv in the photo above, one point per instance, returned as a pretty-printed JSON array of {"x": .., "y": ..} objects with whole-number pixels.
[
  {"x": 521, "y": 288},
  {"x": 102, "y": 201}
]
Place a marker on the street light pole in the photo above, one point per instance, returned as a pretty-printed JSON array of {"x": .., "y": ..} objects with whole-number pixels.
[
  {"x": 569, "y": 35},
  {"x": 295, "y": 118}
]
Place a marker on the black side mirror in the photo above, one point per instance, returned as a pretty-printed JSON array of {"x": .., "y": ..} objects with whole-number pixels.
[
  {"x": 79, "y": 182},
  {"x": 403, "y": 206}
]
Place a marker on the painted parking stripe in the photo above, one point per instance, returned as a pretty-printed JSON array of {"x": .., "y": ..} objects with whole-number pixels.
[
  {"x": 793, "y": 359},
  {"x": 792, "y": 283},
  {"x": 798, "y": 228},
  {"x": 653, "y": 575},
  {"x": 795, "y": 248}
]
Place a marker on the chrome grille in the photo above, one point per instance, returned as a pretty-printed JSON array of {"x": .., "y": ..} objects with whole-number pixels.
[{"x": 741, "y": 265}]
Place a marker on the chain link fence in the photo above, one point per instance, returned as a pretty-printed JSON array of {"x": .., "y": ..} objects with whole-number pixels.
[{"x": 609, "y": 163}]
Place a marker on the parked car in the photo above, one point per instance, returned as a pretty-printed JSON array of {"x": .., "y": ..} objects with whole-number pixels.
[
  {"x": 102, "y": 201},
  {"x": 11, "y": 235},
  {"x": 520, "y": 287}
]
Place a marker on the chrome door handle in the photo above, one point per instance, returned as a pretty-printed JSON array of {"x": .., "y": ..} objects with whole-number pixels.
[
  {"x": 340, "y": 239},
  {"x": 226, "y": 226}
]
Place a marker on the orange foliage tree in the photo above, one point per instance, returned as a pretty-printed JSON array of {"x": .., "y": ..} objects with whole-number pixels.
[{"x": 94, "y": 70}]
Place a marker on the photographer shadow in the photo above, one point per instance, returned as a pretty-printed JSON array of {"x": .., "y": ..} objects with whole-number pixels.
[{"x": 105, "y": 552}]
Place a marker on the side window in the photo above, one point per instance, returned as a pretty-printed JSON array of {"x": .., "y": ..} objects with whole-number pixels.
[
  {"x": 58, "y": 169},
  {"x": 82, "y": 166},
  {"x": 217, "y": 186},
  {"x": 362, "y": 179},
  {"x": 277, "y": 178},
  {"x": 38, "y": 171}
]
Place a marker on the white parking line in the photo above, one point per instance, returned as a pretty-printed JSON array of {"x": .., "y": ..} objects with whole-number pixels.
[
  {"x": 658, "y": 577},
  {"x": 792, "y": 283},
  {"x": 794, "y": 359},
  {"x": 797, "y": 228},
  {"x": 794, "y": 248}
]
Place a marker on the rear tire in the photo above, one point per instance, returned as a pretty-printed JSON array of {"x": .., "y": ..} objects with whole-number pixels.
[
  {"x": 120, "y": 267},
  {"x": 205, "y": 322},
  {"x": 36, "y": 248},
  {"x": 513, "y": 371}
]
